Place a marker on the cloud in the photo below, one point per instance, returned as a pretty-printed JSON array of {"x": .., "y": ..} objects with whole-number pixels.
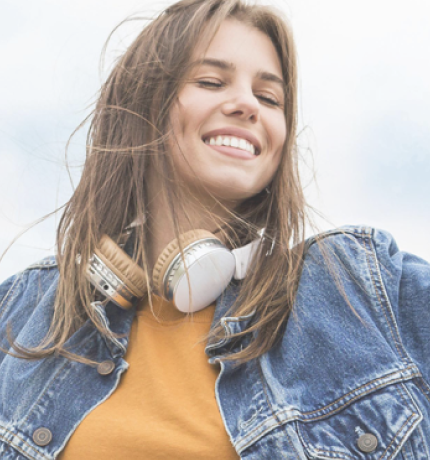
[{"x": 365, "y": 97}]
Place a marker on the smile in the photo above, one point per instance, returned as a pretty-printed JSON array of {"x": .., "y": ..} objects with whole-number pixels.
[{"x": 232, "y": 141}]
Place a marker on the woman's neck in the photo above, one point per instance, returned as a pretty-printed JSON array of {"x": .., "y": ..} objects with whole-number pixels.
[{"x": 195, "y": 213}]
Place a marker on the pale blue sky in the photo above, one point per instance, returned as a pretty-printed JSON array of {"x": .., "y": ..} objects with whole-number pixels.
[{"x": 365, "y": 98}]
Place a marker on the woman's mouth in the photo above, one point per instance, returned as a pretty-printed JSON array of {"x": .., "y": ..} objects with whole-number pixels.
[{"x": 232, "y": 142}]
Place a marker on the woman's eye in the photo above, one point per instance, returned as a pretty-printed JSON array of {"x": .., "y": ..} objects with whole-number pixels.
[
  {"x": 268, "y": 100},
  {"x": 209, "y": 83}
]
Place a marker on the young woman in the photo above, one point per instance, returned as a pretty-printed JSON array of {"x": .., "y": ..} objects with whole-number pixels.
[{"x": 184, "y": 316}]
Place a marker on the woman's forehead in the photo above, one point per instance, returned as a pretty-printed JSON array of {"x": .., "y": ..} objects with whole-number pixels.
[{"x": 237, "y": 43}]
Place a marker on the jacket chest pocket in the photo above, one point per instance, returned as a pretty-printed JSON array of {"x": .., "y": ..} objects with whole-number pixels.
[{"x": 381, "y": 425}]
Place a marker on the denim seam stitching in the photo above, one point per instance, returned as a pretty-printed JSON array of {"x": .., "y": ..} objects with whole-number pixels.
[
  {"x": 274, "y": 416},
  {"x": 371, "y": 250},
  {"x": 279, "y": 423},
  {"x": 261, "y": 435},
  {"x": 375, "y": 259},
  {"x": 397, "y": 434},
  {"x": 334, "y": 411},
  {"x": 402, "y": 396},
  {"x": 70, "y": 433},
  {"x": 405, "y": 357},
  {"x": 300, "y": 435},
  {"x": 423, "y": 386},
  {"x": 419, "y": 429},
  {"x": 406, "y": 451},
  {"x": 413, "y": 408},
  {"x": 290, "y": 442},
  {"x": 409, "y": 399},
  {"x": 44, "y": 392},
  {"x": 7, "y": 298},
  {"x": 260, "y": 372},
  {"x": 17, "y": 447},
  {"x": 322, "y": 236},
  {"x": 43, "y": 266},
  {"x": 67, "y": 362},
  {"x": 371, "y": 390}
]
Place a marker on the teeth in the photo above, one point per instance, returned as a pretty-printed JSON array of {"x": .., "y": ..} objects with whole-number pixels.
[{"x": 231, "y": 141}]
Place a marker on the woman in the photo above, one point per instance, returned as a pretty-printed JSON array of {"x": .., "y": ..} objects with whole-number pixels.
[{"x": 317, "y": 349}]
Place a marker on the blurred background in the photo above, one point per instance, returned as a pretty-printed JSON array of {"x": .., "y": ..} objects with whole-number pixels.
[{"x": 364, "y": 103}]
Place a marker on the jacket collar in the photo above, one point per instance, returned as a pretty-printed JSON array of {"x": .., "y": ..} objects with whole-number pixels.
[
  {"x": 119, "y": 322},
  {"x": 231, "y": 324}
]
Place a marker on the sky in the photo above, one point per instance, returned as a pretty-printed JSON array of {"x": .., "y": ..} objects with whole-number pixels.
[{"x": 364, "y": 69}]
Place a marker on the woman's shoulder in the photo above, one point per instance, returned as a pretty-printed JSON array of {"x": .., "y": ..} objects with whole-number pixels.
[
  {"x": 46, "y": 263},
  {"x": 22, "y": 293},
  {"x": 351, "y": 240},
  {"x": 370, "y": 257},
  {"x": 348, "y": 234},
  {"x": 390, "y": 288},
  {"x": 36, "y": 276}
]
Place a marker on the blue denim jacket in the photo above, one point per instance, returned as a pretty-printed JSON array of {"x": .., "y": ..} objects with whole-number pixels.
[{"x": 345, "y": 382}]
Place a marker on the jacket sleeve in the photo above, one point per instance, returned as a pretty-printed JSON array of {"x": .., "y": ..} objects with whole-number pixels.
[{"x": 407, "y": 281}]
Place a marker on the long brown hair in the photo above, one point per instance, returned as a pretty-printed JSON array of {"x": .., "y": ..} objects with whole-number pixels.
[{"x": 128, "y": 136}]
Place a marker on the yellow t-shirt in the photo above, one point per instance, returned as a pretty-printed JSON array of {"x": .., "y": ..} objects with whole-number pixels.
[{"x": 164, "y": 406}]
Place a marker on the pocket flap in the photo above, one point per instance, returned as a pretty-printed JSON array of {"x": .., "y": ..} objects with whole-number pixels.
[{"x": 373, "y": 427}]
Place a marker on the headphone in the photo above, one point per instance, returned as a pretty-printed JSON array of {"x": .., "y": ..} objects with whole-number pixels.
[{"x": 209, "y": 263}]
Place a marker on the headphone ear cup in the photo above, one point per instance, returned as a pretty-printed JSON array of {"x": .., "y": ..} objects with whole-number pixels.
[
  {"x": 171, "y": 251},
  {"x": 124, "y": 267}
]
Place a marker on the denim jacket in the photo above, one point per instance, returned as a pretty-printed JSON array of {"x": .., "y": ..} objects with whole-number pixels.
[{"x": 349, "y": 378}]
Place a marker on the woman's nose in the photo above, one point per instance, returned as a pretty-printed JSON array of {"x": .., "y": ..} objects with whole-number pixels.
[{"x": 242, "y": 104}]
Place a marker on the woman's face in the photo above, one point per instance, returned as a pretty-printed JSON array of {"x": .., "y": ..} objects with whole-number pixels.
[{"x": 229, "y": 124}]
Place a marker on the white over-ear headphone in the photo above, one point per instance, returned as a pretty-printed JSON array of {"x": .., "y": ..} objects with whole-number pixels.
[{"x": 210, "y": 265}]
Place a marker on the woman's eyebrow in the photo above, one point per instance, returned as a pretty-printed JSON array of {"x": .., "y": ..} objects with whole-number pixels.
[
  {"x": 268, "y": 76},
  {"x": 225, "y": 65},
  {"x": 220, "y": 64}
]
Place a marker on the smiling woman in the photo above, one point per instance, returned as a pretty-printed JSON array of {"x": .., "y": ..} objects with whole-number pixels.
[
  {"x": 184, "y": 314},
  {"x": 235, "y": 106}
]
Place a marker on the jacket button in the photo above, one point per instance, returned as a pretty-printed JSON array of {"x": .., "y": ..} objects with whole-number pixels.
[
  {"x": 42, "y": 436},
  {"x": 367, "y": 442},
  {"x": 106, "y": 367}
]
